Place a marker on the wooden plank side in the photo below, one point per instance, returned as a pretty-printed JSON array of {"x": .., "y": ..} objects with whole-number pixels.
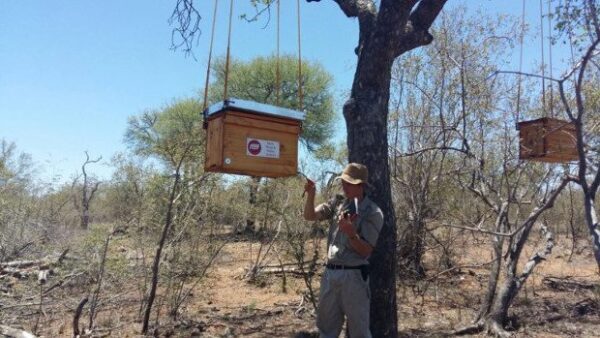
[
  {"x": 214, "y": 145},
  {"x": 562, "y": 142},
  {"x": 262, "y": 173},
  {"x": 531, "y": 141},
  {"x": 262, "y": 122},
  {"x": 235, "y": 139},
  {"x": 259, "y": 117},
  {"x": 548, "y": 140}
]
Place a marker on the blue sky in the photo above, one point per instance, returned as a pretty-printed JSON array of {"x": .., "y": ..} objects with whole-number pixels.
[{"x": 72, "y": 72}]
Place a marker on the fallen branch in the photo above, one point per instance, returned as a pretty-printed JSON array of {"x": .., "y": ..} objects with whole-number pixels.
[
  {"x": 16, "y": 333},
  {"x": 292, "y": 270},
  {"x": 477, "y": 266},
  {"x": 288, "y": 264},
  {"x": 62, "y": 281},
  {"x": 41, "y": 267},
  {"x": 567, "y": 284},
  {"x": 468, "y": 330},
  {"x": 17, "y": 273},
  {"x": 4, "y": 307},
  {"x": 17, "y": 251},
  {"x": 47, "y": 261},
  {"x": 587, "y": 306}
]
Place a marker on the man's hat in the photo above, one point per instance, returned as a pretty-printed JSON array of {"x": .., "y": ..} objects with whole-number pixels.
[{"x": 355, "y": 173}]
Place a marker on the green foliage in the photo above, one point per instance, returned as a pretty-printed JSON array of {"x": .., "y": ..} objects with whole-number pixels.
[
  {"x": 15, "y": 169},
  {"x": 173, "y": 134},
  {"x": 125, "y": 198},
  {"x": 255, "y": 80},
  {"x": 577, "y": 21},
  {"x": 17, "y": 198},
  {"x": 332, "y": 152}
]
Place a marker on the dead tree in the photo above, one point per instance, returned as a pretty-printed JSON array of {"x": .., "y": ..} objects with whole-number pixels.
[
  {"x": 589, "y": 168},
  {"x": 169, "y": 216},
  {"x": 88, "y": 190},
  {"x": 157, "y": 256},
  {"x": 498, "y": 299}
]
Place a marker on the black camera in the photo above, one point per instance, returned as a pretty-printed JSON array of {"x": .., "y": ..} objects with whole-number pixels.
[{"x": 349, "y": 209}]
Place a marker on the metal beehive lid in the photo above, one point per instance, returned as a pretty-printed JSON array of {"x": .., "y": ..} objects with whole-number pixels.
[{"x": 253, "y": 107}]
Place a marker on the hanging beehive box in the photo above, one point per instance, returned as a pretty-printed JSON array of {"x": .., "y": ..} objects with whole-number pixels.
[
  {"x": 547, "y": 140},
  {"x": 249, "y": 138}
]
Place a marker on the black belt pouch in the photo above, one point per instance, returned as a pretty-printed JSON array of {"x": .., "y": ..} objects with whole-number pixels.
[{"x": 364, "y": 271}]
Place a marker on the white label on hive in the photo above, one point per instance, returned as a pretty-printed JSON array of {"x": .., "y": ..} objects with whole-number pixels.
[{"x": 262, "y": 148}]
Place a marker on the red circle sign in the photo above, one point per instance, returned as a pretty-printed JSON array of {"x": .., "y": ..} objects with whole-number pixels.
[{"x": 254, "y": 147}]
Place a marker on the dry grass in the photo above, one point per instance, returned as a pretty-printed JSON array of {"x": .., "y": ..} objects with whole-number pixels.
[{"x": 225, "y": 305}]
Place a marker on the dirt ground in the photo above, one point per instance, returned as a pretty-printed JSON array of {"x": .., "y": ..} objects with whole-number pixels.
[{"x": 224, "y": 304}]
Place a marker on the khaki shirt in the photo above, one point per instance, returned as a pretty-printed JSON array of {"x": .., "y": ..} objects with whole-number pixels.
[{"x": 367, "y": 225}]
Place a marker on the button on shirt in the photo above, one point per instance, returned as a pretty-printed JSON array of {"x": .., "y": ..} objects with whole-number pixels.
[{"x": 367, "y": 225}]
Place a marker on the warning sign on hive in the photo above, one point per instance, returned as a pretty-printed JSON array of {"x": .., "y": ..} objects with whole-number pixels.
[{"x": 262, "y": 148}]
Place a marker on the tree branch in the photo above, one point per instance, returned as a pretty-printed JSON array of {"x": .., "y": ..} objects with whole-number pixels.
[
  {"x": 425, "y": 13},
  {"x": 365, "y": 11},
  {"x": 188, "y": 19},
  {"x": 355, "y": 8},
  {"x": 415, "y": 28},
  {"x": 538, "y": 256}
]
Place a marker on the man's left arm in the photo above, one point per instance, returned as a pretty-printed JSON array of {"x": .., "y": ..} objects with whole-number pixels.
[{"x": 363, "y": 248}]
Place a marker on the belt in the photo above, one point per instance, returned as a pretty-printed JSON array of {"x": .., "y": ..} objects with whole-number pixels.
[{"x": 344, "y": 267}]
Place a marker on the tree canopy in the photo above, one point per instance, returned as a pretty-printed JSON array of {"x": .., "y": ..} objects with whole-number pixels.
[{"x": 256, "y": 80}]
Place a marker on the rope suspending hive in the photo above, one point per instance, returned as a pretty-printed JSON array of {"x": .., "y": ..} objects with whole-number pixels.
[
  {"x": 546, "y": 139},
  {"x": 251, "y": 138}
]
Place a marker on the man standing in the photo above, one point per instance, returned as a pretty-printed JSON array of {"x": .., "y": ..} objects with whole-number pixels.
[{"x": 351, "y": 239}]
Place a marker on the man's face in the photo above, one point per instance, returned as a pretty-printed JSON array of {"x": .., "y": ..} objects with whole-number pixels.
[{"x": 352, "y": 190}]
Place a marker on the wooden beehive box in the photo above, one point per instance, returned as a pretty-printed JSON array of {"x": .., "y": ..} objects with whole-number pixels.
[
  {"x": 249, "y": 138},
  {"x": 547, "y": 140}
]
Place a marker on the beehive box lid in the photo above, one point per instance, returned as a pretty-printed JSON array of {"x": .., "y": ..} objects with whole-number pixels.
[
  {"x": 254, "y": 108},
  {"x": 546, "y": 120}
]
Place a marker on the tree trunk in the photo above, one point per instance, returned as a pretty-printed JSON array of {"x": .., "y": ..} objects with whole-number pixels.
[
  {"x": 513, "y": 283},
  {"x": 505, "y": 296},
  {"x": 591, "y": 220},
  {"x": 251, "y": 224},
  {"x": 486, "y": 305},
  {"x": 385, "y": 33},
  {"x": 157, "y": 257},
  {"x": 85, "y": 218},
  {"x": 366, "y": 114},
  {"x": 411, "y": 254}
]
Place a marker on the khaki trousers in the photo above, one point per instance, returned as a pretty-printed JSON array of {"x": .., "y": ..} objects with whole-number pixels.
[{"x": 343, "y": 292}]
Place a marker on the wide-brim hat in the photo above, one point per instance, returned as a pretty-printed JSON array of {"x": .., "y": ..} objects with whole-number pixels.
[{"x": 355, "y": 173}]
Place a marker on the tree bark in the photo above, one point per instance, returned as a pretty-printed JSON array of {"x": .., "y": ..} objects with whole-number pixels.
[
  {"x": 486, "y": 305},
  {"x": 251, "y": 223},
  {"x": 398, "y": 27},
  {"x": 366, "y": 115},
  {"x": 591, "y": 219},
  {"x": 77, "y": 316},
  {"x": 157, "y": 257},
  {"x": 512, "y": 281},
  {"x": 412, "y": 248},
  {"x": 87, "y": 192}
]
